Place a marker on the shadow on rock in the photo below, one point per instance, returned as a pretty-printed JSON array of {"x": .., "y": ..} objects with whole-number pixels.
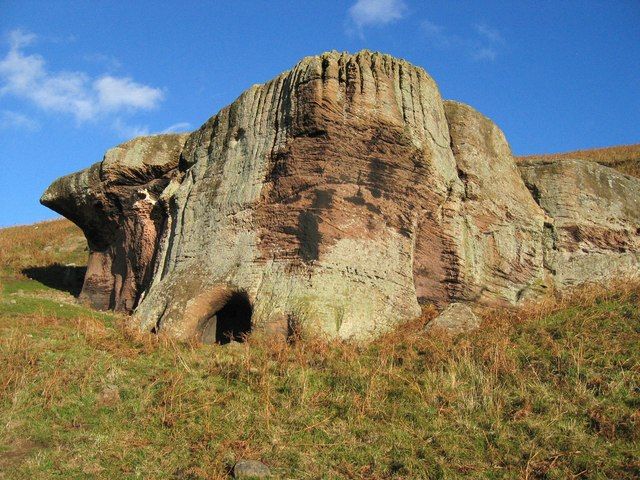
[{"x": 67, "y": 278}]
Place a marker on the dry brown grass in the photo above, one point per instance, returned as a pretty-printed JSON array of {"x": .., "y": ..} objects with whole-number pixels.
[
  {"x": 625, "y": 158},
  {"x": 550, "y": 390}
]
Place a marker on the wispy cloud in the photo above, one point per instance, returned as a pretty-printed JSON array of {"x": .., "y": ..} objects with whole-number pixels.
[
  {"x": 480, "y": 43},
  {"x": 491, "y": 34},
  {"x": 16, "y": 120},
  {"x": 177, "y": 128},
  {"x": 126, "y": 130},
  {"x": 27, "y": 77},
  {"x": 109, "y": 62},
  {"x": 484, "y": 53},
  {"x": 367, "y": 13},
  {"x": 436, "y": 33},
  {"x": 115, "y": 94}
]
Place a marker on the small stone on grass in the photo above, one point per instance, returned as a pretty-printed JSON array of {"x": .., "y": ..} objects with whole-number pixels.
[
  {"x": 250, "y": 469},
  {"x": 456, "y": 318}
]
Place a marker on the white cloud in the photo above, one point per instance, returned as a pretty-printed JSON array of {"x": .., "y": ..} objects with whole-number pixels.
[
  {"x": 436, "y": 33},
  {"x": 118, "y": 93},
  {"x": 18, "y": 38},
  {"x": 26, "y": 76},
  {"x": 126, "y": 130},
  {"x": 479, "y": 46},
  {"x": 109, "y": 62},
  {"x": 9, "y": 119},
  {"x": 177, "y": 128},
  {"x": 484, "y": 53},
  {"x": 491, "y": 34},
  {"x": 376, "y": 12}
]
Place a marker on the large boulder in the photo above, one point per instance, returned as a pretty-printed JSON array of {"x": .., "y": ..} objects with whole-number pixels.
[
  {"x": 307, "y": 196},
  {"x": 339, "y": 197},
  {"x": 593, "y": 231},
  {"x": 456, "y": 318}
]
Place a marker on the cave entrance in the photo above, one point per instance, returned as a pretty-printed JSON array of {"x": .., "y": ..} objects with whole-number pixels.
[{"x": 231, "y": 323}]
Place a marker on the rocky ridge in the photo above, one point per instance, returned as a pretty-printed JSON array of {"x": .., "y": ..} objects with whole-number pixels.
[{"x": 339, "y": 197}]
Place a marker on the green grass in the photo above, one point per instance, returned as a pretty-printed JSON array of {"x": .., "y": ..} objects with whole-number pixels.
[
  {"x": 550, "y": 391},
  {"x": 554, "y": 396}
]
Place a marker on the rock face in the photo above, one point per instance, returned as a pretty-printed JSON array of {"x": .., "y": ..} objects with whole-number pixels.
[
  {"x": 338, "y": 197},
  {"x": 114, "y": 202},
  {"x": 307, "y": 196},
  {"x": 499, "y": 225},
  {"x": 593, "y": 234}
]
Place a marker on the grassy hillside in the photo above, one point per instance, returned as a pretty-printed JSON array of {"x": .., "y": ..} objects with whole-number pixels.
[
  {"x": 551, "y": 391},
  {"x": 625, "y": 158},
  {"x": 57, "y": 242}
]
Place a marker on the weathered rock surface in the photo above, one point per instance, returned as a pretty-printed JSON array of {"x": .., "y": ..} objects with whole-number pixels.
[
  {"x": 499, "y": 225},
  {"x": 593, "y": 234},
  {"x": 456, "y": 318},
  {"x": 313, "y": 194},
  {"x": 338, "y": 197},
  {"x": 114, "y": 202}
]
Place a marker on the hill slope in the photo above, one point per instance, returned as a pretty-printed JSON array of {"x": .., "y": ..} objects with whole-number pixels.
[
  {"x": 551, "y": 391},
  {"x": 625, "y": 158},
  {"x": 44, "y": 259},
  {"x": 41, "y": 244}
]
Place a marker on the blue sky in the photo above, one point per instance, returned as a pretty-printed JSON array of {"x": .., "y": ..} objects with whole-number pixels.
[{"x": 77, "y": 78}]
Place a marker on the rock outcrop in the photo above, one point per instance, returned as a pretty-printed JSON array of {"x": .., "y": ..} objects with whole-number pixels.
[
  {"x": 312, "y": 195},
  {"x": 499, "y": 229},
  {"x": 593, "y": 233},
  {"x": 115, "y": 203},
  {"x": 338, "y": 197}
]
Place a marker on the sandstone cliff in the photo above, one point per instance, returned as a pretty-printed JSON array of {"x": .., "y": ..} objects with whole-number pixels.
[{"x": 338, "y": 197}]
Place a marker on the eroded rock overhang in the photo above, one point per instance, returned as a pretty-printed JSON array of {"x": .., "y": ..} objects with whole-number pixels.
[{"x": 115, "y": 203}]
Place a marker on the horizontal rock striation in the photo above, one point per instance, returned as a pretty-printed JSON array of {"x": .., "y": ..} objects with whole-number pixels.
[
  {"x": 339, "y": 197},
  {"x": 594, "y": 230}
]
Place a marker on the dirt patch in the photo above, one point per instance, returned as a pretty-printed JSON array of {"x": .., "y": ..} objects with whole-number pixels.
[{"x": 16, "y": 452}]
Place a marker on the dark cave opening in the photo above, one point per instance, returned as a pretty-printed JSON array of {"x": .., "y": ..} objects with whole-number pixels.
[{"x": 231, "y": 323}]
